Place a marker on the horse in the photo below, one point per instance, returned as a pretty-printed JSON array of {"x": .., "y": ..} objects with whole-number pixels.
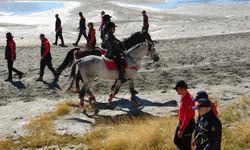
[
  {"x": 91, "y": 67},
  {"x": 134, "y": 39}
]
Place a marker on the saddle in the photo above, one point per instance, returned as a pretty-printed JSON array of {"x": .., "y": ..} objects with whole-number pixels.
[
  {"x": 111, "y": 65},
  {"x": 97, "y": 51}
]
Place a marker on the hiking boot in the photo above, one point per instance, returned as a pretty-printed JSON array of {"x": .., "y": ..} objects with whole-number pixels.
[
  {"x": 123, "y": 80},
  {"x": 39, "y": 79},
  {"x": 75, "y": 44},
  {"x": 20, "y": 76},
  {"x": 8, "y": 80}
]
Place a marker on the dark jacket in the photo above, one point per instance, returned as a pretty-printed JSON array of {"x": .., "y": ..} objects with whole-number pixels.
[
  {"x": 82, "y": 24},
  {"x": 114, "y": 46},
  {"x": 58, "y": 25},
  {"x": 209, "y": 132},
  {"x": 45, "y": 50},
  {"x": 91, "y": 38},
  {"x": 10, "y": 49}
]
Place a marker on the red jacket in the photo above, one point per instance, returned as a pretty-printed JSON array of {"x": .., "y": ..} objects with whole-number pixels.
[
  {"x": 10, "y": 50},
  {"x": 58, "y": 25},
  {"x": 186, "y": 113},
  {"x": 91, "y": 38},
  {"x": 45, "y": 49},
  {"x": 145, "y": 21}
]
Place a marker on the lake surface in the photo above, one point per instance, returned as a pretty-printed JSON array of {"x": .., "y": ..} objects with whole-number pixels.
[
  {"x": 28, "y": 7},
  {"x": 176, "y": 3}
]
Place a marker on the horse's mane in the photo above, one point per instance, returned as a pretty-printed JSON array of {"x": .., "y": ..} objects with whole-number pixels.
[
  {"x": 132, "y": 36},
  {"x": 137, "y": 46}
]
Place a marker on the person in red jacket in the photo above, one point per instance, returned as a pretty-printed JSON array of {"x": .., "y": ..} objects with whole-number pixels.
[
  {"x": 10, "y": 56},
  {"x": 102, "y": 22},
  {"x": 46, "y": 59},
  {"x": 186, "y": 126},
  {"x": 58, "y": 29},
  {"x": 145, "y": 22},
  {"x": 91, "y": 36}
]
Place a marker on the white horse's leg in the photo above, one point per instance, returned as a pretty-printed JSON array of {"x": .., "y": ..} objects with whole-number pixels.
[
  {"x": 132, "y": 88},
  {"x": 85, "y": 88},
  {"x": 115, "y": 90},
  {"x": 133, "y": 92}
]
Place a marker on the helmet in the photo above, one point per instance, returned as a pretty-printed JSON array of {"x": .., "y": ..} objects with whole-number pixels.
[
  {"x": 110, "y": 25},
  {"x": 106, "y": 18}
]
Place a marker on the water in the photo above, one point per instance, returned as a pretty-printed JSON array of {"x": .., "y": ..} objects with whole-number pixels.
[
  {"x": 176, "y": 3},
  {"x": 28, "y": 7}
]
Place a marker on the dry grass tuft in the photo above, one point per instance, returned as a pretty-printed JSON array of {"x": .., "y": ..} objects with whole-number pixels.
[
  {"x": 144, "y": 134},
  {"x": 236, "y": 111},
  {"x": 126, "y": 132}
]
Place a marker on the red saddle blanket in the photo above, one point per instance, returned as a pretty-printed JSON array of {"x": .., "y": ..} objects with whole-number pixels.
[{"x": 110, "y": 64}]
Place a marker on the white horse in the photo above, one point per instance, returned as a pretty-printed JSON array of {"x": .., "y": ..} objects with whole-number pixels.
[{"x": 91, "y": 67}]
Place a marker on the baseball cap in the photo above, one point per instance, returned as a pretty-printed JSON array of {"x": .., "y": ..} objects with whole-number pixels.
[
  {"x": 181, "y": 84},
  {"x": 200, "y": 94},
  {"x": 203, "y": 102}
]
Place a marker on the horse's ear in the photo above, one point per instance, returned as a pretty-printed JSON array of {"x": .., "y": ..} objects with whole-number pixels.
[{"x": 155, "y": 42}]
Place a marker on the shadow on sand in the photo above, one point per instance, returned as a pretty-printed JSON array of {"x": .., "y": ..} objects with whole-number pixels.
[
  {"x": 18, "y": 84},
  {"x": 131, "y": 111},
  {"x": 52, "y": 85}
]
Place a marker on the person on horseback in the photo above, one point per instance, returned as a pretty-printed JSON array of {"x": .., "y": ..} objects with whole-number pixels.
[{"x": 115, "y": 50}]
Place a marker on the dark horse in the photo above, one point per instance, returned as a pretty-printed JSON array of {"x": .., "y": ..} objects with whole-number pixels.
[{"x": 134, "y": 39}]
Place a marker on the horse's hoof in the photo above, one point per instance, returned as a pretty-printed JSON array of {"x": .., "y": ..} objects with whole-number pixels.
[
  {"x": 81, "y": 105},
  {"x": 77, "y": 90}
]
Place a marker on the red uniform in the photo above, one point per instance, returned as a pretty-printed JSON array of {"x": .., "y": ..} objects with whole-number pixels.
[
  {"x": 91, "y": 38},
  {"x": 186, "y": 113}
]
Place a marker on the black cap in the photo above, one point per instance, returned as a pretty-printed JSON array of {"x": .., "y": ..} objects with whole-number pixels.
[
  {"x": 203, "y": 102},
  {"x": 181, "y": 84},
  {"x": 110, "y": 25},
  {"x": 201, "y": 94},
  {"x": 106, "y": 17}
]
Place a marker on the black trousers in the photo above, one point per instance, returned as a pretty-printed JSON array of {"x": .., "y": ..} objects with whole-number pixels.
[
  {"x": 59, "y": 35},
  {"x": 11, "y": 68},
  {"x": 144, "y": 29},
  {"x": 80, "y": 35},
  {"x": 184, "y": 143},
  {"x": 43, "y": 64}
]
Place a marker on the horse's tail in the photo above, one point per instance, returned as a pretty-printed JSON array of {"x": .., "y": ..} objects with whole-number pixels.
[
  {"x": 67, "y": 62},
  {"x": 72, "y": 76}
]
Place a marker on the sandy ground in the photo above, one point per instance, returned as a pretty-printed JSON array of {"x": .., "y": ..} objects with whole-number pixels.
[{"x": 206, "y": 45}]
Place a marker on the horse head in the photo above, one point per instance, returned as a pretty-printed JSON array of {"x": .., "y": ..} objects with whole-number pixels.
[{"x": 152, "y": 52}]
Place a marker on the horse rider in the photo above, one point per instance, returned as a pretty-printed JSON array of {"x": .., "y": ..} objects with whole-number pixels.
[
  {"x": 115, "y": 50},
  {"x": 145, "y": 21},
  {"x": 82, "y": 29}
]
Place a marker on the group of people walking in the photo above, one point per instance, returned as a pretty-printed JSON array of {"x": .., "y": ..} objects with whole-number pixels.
[
  {"x": 207, "y": 129},
  {"x": 114, "y": 46}
]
